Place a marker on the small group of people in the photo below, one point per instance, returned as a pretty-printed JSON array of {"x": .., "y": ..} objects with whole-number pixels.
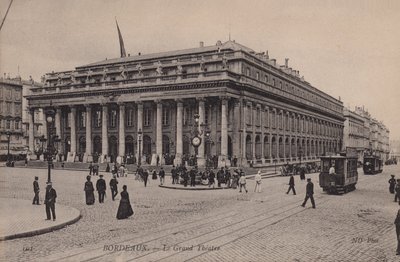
[
  {"x": 49, "y": 199},
  {"x": 124, "y": 210},
  {"x": 160, "y": 174},
  {"x": 394, "y": 188},
  {"x": 93, "y": 169}
]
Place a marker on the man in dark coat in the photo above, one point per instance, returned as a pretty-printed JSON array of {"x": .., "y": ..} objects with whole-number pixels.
[
  {"x": 50, "y": 201},
  {"x": 90, "y": 168},
  {"x": 309, "y": 193},
  {"x": 173, "y": 174},
  {"x": 291, "y": 185},
  {"x": 96, "y": 169},
  {"x": 220, "y": 176},
  {"x": 185, "y": 177},
  {"x": 145, "y": 176},
  {"x": 161, "y": 174},
  {"x": 227, "y": 178},
  {"x": 36, "y": 190},
  {"x": 114, "y": 187},
  {"x": 302, "y": 173},
  {"x": 101, "y": 188},
  {"x": 392, "y": 184},
  {"x": 397, "y": 223},
  {"x": 193, "y": 177},
  {"x": 397, "y": 191}
]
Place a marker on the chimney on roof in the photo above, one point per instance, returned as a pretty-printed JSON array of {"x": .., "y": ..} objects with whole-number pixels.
[
  {"x": 286, "y": 62},
  {"x": 266, "y": 55},
  {"x": 273, "y": 61},
  {"x": 219, "y": 43},
  {"x": 201, "y": 44}
]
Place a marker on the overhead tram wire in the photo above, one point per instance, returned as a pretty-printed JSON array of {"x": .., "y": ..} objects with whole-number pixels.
[{"x": 4, "y": 19}]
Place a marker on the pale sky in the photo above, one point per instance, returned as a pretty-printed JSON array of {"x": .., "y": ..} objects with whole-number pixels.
[{"x": 348, "y": 48}]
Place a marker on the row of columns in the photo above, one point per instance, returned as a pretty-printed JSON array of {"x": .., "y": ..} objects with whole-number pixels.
[{"x": 121, "y": 129}]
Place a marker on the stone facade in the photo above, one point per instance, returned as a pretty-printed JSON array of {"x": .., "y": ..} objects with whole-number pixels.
[
  {"x": 365, "y": 133},
  {"x": 11, "y": 115},
  {"x": 255, "y": 110}
]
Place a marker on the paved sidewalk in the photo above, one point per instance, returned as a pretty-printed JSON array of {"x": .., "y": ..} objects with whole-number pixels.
[{"x": 19, "y": 218}]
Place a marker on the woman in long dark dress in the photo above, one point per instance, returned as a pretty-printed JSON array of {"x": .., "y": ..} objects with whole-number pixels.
[
  {"x": 125, "y": 209},
  {"x": 89, "y": 191}
]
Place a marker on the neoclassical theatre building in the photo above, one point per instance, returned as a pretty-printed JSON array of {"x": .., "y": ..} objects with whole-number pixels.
[{"x": 253, "y": 110}]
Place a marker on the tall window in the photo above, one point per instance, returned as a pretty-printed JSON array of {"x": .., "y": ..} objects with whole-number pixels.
[
  {"x": 113, "y": 118},
  {"x": 292, "y": 124},
  {"x": 266, "y": 115},
  {"x": 8, "y": 109},
  {"x": 248, "y": 71},
  {"x": 249, "y": 113},
  {"x": 68, "y": 119},
  {"x": 258, "y": 116},
  {"x": 17, "y": 124},
  {"x": 273, "y": 119},
  {"x": 266, "y": 78},
  {"x": 207, "y": 115},
  {"x": 82, "y": 119},
  {"x": 147, "y": 116},
  {"x": 129, "y": 117},
  {"x": 187, "y": 116},
  {"x": 165, "y": 116},
  {"x": 8, "y": 124},
  {"x": 273, "y": 82},
  {"x": 97, "y": 118},
  {"x": 258, "y": 76}
]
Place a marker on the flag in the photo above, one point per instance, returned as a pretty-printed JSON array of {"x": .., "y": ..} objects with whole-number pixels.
[{"x": 121, "y": 41}]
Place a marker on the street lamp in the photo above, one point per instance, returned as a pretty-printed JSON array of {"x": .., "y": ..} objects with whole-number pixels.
[
  {"x": 196, "y": 133},
  {"x": 139, "y": 144},
  {"x": 52, "y": 139},
  {"x": 8, "y": 134}
]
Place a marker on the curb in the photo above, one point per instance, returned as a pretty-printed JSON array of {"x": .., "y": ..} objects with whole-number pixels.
[
  {"x": 43, "y": 230},
  {"x": 192, "y": 188}
]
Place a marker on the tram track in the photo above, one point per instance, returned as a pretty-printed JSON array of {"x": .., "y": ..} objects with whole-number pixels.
[{"x": 255, "y": 218}]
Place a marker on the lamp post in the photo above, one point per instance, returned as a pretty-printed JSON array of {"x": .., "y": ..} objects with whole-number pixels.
[
  {"x": 8, "y": 134},
  {"x": 140, "y": 133},
  {"x": 196, "y": 133},
  {"x": 52, "y": 139}
]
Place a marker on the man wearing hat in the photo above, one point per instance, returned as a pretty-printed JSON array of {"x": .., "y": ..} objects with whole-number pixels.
[
  {"x": 50, "y": 201},
  {"x": 397, "y": 191},
  {"x": 392, "y": 184},
  {"x": 309, "y": 193},
  {"x": 36, "y": 190},
  {"x": 397, "y": 223},
  {"x": 101, "y": 188},
  {"x": 114, "y": 187}
]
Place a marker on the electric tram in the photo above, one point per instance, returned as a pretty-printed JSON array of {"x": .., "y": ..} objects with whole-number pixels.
[
  {"x": 345, "y": 177},
  {"x": 372, "y": 164}
]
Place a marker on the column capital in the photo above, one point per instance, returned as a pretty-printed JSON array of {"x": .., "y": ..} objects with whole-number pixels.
[
  {"x": 139, "y": 104},
  {"x": 121, "y": 104},
  {"x": 201, "y": 99},
  {"x": 236, "y": 102},
  {"x": 179, "y": 102}
]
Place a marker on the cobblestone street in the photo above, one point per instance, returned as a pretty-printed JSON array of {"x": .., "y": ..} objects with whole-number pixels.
[{"x": 215, "y": 225}]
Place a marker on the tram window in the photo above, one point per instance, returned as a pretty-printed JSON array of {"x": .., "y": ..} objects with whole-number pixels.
[
  {"x": 339, "y": 167},
  {"x": 325, "y": 166}
]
